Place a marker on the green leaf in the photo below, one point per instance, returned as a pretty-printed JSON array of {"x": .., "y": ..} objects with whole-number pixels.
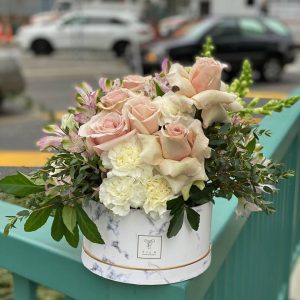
[
  {"x": 72, "y": 238},
  {"x": 159, "y": 91},
  {"x": 6, "y": 229},
  {"x": 193, "y": 218},
  {"x": 268, "y": 190},
  {"x": 69, "y": 217},
  {"x": 23, "y": 213},
  {"x": 225, "y": 128},
  {"x": 57, "y": 228},
  {"x": 37, "y": 218},
  {"x": 88, "y": 227},
  {"x": 19, "y": 185},
  {"x": 251, "y": 145},
  {"x": 200, "y": 197},
  {"x": 176, "y": 223},
  {"x": 171, "y": 204}
]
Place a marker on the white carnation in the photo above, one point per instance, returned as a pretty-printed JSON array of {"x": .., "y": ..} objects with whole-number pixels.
[
  {"x": 175, "y": 108},
  {"x": 158, "y": 192},
  {"x": 120, "y": 193},
  {"x": 125, "y": 160}
]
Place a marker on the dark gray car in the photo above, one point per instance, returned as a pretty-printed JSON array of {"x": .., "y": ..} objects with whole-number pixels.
[{"x": 266, "y": 42}]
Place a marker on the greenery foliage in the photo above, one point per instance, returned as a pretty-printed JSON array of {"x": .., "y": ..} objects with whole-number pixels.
[{"x": 237, "y": 167}]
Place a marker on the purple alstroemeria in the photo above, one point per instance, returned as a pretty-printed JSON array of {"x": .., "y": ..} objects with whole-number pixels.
[
  {"x": 162, "y": 83},
  {"x": 73, "y": 143},
  {"x": 103, "y": 84},
  {"x": 88, "y": 95},
  {"x": 53, "y": 129},
  {"x": 107, "y": 85},
  {"x": 85, "y": 114},
  {"x": 49, "y": 141},
  {"x": 165, "y": 66},
  {"x": 161, "y": 79}
]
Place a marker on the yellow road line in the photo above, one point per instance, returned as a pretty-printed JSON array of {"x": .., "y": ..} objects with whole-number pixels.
[
  {"x": 266, "y": 94},
  {"x": 12, "y": 158}
]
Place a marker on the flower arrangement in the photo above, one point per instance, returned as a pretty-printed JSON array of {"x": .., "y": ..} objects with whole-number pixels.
[{"x": 162, "y": 144}]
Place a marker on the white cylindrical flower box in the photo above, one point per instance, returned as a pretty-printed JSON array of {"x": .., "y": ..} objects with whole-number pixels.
[{"x": 137, "y": 249}]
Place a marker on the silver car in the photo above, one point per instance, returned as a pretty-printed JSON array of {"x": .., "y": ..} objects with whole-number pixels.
[{"x": 11, "y": 79}]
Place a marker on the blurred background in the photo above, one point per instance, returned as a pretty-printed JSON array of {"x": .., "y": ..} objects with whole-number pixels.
[{"x": 49, "y": 46}]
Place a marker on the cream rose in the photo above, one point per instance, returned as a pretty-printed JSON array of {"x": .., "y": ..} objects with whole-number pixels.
[
  {"x": 105, "y": 130},
  {"x": 174, "y": 141},
  {"x": 114, "y": 100},
  {"x": 142, "y": 114},
  {"x": 212, "y": 103},
  {"x": 135, "y": 82},
  {"x": 120, "y": 193},
  {"x": 175, "y": 108}
]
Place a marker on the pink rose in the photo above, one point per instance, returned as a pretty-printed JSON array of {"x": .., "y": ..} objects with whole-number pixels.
[
  {"x": 174, "y": 141},
  {"x": 142, "y": 114},
  {"x": 178, "y": 153},
  {"x": 205, "y": 74},
  {"x": 105, "y": 130},
  {"x": 114, "y": 100},
  {"x": 135, "y": 82}
]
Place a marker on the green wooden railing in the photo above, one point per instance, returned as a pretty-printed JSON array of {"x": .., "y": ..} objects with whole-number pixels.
[{"x": 252, "y": 258}]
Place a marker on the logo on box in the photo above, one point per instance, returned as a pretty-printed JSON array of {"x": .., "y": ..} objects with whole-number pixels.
[{"x": 149, "y": 246}]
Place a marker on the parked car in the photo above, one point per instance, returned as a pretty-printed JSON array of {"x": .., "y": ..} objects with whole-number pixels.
[
  {"x": 60, "y": 7},
  {"x": 265, "y": 41},
  {"x": 11, "y": 79},
  {"x": 171, "y": 23},
  {"x": 90, "y": 29}
]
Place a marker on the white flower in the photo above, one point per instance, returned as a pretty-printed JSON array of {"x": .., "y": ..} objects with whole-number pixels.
[
  {"x": 124, "y": 160},
  {"x": 120, "y": 193},
  {"x": 158, "y": 192},
  {"x": 245, "y": 208},
  {"x": 68, "y": 122},
  {"x": 175, "y": 108}
]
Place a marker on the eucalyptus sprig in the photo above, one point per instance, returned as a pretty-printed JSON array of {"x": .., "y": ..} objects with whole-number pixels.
[
  {"x": 237, "y": 167},
  {"x": 68, "y": 180}
]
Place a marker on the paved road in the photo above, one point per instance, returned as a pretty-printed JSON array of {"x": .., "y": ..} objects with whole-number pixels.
[{"x": 50, "y": 82}]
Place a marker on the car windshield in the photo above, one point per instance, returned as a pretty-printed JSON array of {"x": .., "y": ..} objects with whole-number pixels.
[
  {"x": 192, "y": 29},
  {"x": 276, "y": 26},
  {"x": 183, "y": 29}
]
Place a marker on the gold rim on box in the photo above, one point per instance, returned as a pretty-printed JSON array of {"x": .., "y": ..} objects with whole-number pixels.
[{"x": 145, "y": 269}]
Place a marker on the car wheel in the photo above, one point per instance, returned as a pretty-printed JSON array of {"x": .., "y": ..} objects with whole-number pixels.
[
  {"x": 41, "y": 47},
  {"x": 272, "y": 69},
  {"x": 120, "y": 48}
]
